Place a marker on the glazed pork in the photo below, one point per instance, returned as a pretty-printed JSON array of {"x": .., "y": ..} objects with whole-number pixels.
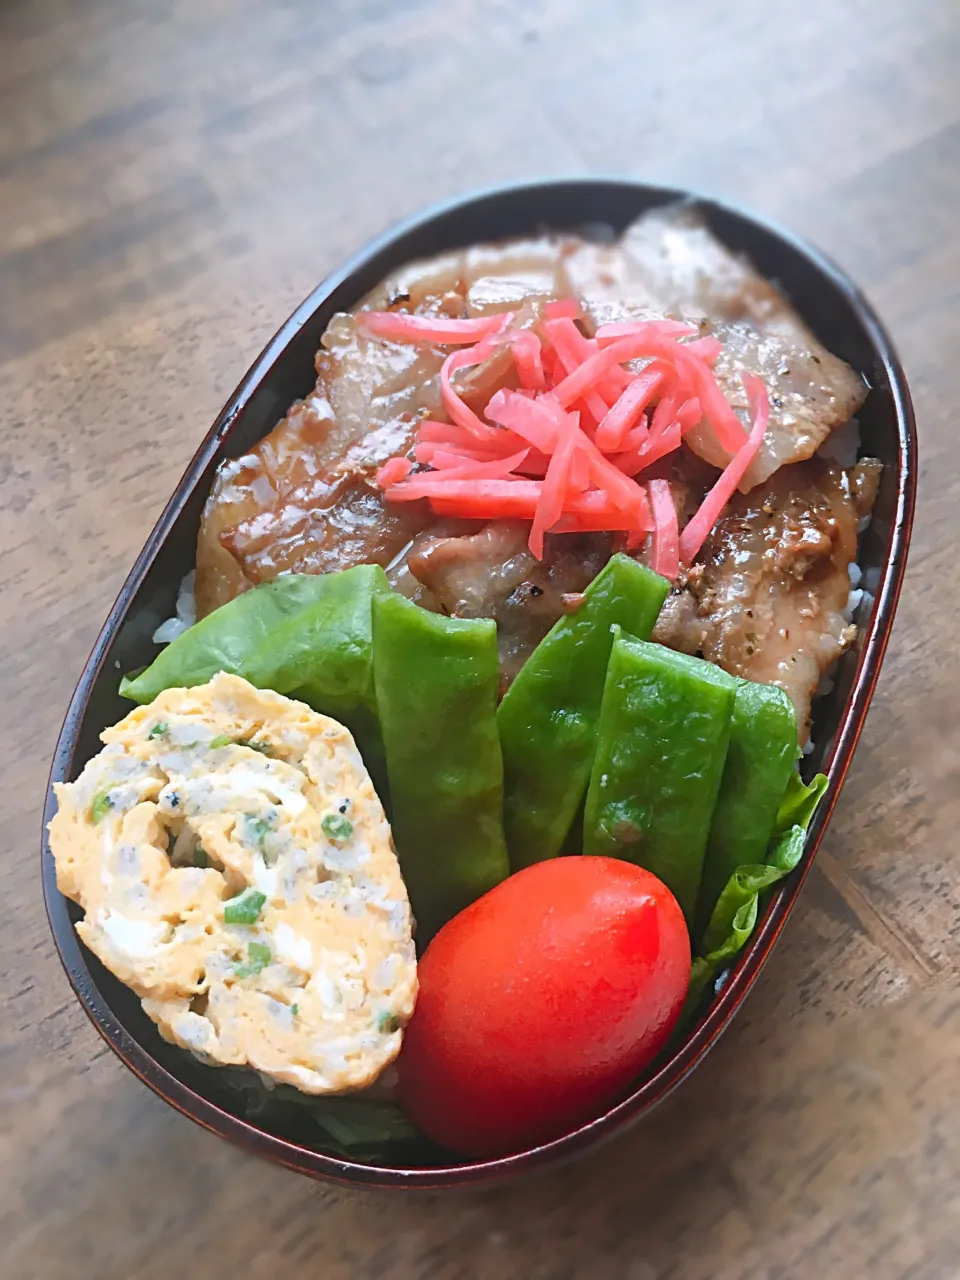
[
  {"x": 493, "y": 574},
  {"x": 304, "y": 500},
  {"x": 669, "y": 263},
  {"x": 767, "y": 598}
]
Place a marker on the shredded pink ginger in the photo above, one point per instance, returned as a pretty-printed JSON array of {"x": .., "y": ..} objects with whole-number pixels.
[
  {"x": 568, "y": 448},
  {"x": 666, "y": 539}
]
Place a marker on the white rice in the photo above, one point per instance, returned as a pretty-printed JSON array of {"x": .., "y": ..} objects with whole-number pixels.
[
  {"x": 186, "y": 614},
  {"x": 852, "y": 605},
  {"x": 842, "y": 445},
  {"x": 855, "y": 599}
]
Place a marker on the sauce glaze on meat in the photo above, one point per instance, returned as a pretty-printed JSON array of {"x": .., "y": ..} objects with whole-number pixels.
[{"x": 766, "y": 597}]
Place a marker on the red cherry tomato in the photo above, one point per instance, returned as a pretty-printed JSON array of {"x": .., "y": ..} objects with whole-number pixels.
[{"x": 541, "y": 1002}]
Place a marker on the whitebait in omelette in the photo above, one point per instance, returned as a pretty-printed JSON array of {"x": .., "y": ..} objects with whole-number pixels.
[{"x": 237, "y": 872}]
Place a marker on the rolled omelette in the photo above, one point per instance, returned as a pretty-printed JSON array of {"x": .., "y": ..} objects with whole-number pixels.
[{"x": 236, "y": 871}]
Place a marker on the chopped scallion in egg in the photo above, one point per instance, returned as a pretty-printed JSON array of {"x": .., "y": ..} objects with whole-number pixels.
[
  {"x": 102, "y": 804},
  {"x": 220, "y": 895},
  {"x": 245, "y": 908},
  {"x": 257, "y": 829},
  {"x": 258, "y": 957},
  {"x": 337, "y": 827},
  {"x": 224, "y": 740}
]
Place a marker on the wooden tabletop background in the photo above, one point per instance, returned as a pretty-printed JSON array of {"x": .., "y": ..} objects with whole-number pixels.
[{"x": 175, "y": 175}]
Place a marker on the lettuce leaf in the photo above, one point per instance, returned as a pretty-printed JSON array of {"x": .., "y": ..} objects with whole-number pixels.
[
  {"x": 359, "y": 1127},
  {"x": 308, "y": 636},
  {"x": 362, "y": 1129},
  {"x": 305, "y": 635},
  {"x": 799, "y": 803},
  {"x": 734, "y": 916}
]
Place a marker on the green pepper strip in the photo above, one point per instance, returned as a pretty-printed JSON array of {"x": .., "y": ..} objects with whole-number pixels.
[
  {"x": 760, "y": 757},
  {"x": 437, "y": 683},
  {"x": 661, "y": 745},
  {"x": 548, "y": 716}
]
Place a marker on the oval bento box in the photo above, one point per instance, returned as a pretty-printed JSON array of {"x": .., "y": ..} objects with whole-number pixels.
[{"x": 845, "y": 323}]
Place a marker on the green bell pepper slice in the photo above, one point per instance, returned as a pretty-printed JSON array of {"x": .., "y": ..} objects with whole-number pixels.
[
  {"x": 548, "y": 717},
  {"x": 436, "y": 681},
  {"x": 661, "y": 747}
]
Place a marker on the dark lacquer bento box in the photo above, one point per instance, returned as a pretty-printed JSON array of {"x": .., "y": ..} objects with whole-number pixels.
[{"x": 841, "y": 319}]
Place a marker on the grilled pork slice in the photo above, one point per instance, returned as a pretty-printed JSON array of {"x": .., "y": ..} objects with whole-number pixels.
[
  {"x": 482, "y": 280},
  {"x": 670, "y": 263},
  {"x": 492, "y": 574},
  {"x": 334, "y": 521},
  {"x": 811, "y": 391},
  {"x": 304, "y": 499},
  {"x": 767, "y": 598}
]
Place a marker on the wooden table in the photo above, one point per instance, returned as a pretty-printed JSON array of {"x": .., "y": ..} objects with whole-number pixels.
[{"x": 174, "y": 176}]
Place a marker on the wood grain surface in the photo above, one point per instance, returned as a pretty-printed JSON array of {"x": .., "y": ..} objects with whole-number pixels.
[{"x": 175, "y": 175}]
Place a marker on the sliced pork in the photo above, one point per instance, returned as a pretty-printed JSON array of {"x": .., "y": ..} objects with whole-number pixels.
[
  {"x": 767, "y": 598},
  {"x": 482, "y": 280},
  {"x": 670, "y": 263},
  {"x": 304, "y": 500},
  {"x": 492, "y": 574}
]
